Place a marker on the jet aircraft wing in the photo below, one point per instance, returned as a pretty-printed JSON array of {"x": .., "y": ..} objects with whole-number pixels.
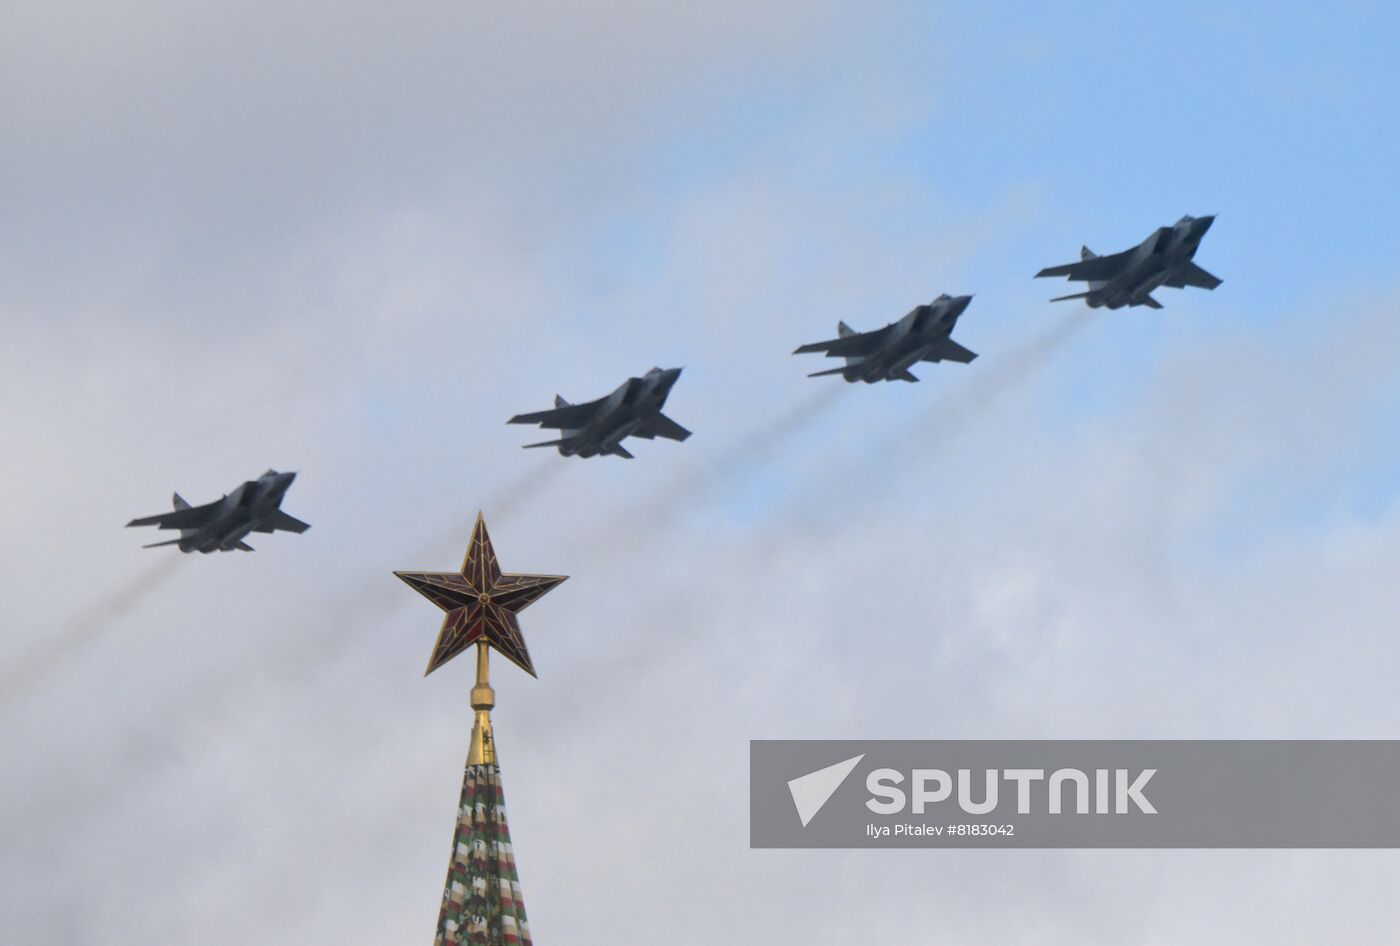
[
  {"x": 570, "y": 417},
  {"x": 661, "y": 426},
  {"x": 195, "y": 517},
  {"x": 1192, "y": 275},
  {"x": 862, "y": 343},
  {"x": 1095, "y": 269}
]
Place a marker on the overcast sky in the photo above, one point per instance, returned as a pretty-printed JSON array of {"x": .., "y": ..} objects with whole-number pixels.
[{"x": 351, "y": 239}]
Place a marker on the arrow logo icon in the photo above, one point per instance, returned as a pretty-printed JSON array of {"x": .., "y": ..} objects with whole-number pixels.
[{"x": 813, "y": 790}]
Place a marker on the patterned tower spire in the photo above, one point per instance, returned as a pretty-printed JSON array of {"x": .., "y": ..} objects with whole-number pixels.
[{"x": 481, "y": 902}]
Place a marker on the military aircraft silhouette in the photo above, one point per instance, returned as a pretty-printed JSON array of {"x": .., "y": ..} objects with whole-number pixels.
[
  {"x": 886, "y": 354},
  {"x": 598, "y": 428},
  {"x": 1128, "y": 278},
  {"x": 221, "y": 526}
]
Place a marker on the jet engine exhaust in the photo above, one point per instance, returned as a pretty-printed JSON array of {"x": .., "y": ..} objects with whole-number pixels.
[{"x": 33, "y": 669}]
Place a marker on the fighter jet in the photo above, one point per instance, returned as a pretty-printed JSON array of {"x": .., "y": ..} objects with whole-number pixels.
[
  {"x": 222, "y": 525},
  {"x": 1128, "y": 278},
  {"x": 886, "y": 354},
  {"x": 599, "y": 427}
]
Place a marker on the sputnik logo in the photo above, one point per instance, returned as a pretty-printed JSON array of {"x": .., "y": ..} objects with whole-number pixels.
[{"x": 812, "y": 791}]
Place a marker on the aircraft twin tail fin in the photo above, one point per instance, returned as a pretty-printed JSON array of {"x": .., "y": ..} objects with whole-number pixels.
[
  {"x": 1192, "y": 275},
  {"x": 560, "y": 402},
  {"x": 179, "y": 502},
  {"x": 661, "y": 426},
  {"x": 1086, "y": 253},
  {"x": 280, "y": 521},
  {"x": 952, "y": 351},
  {"x": 843, "y": 330}
]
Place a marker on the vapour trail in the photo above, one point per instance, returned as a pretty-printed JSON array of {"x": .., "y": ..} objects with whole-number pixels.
[
  {"x": 926, "y": 437},
  {"x": 502, "y": 506},
  {"x": 382, "y": 594},
  {"x": 1013, "y": 370},
  {"x": 751, "y": 450},
  {"x": 232, "y": 689},
  {"x": 314, "y": 649},
  {"x": 946, "y": 418},
  {"x": 934, "y": 430},
  {"x": 347, "y": 619},
  {"x": 931, "y": 433},
  {"x": 34, "y": 669},
  {"x": 224, "y": 700}
]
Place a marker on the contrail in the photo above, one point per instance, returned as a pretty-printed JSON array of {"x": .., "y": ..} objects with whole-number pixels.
[
  {"x": 316, "y": 649},
  {"x": 763, "y": 441},
  {"x": 948, "y": 417},
  {"x": 34, "y": 668},
  {"x": 751, "y": 450},
  {"x": 932, "y": 431},
  {"x": 231, "y": 689},
  {"x": 501, "y": 506},
  {"x": 982, "y": 393},
  {"x": 1022, "y": 362},
  {"x": 382, "y": 594},
  {"x": 349, "y": 618},
  {"x": 684, "y": 616},
  {"x": 985, "y": 390}
]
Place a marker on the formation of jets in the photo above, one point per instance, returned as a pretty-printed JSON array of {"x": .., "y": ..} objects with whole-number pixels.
[{"x": 597, "y": 428}]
